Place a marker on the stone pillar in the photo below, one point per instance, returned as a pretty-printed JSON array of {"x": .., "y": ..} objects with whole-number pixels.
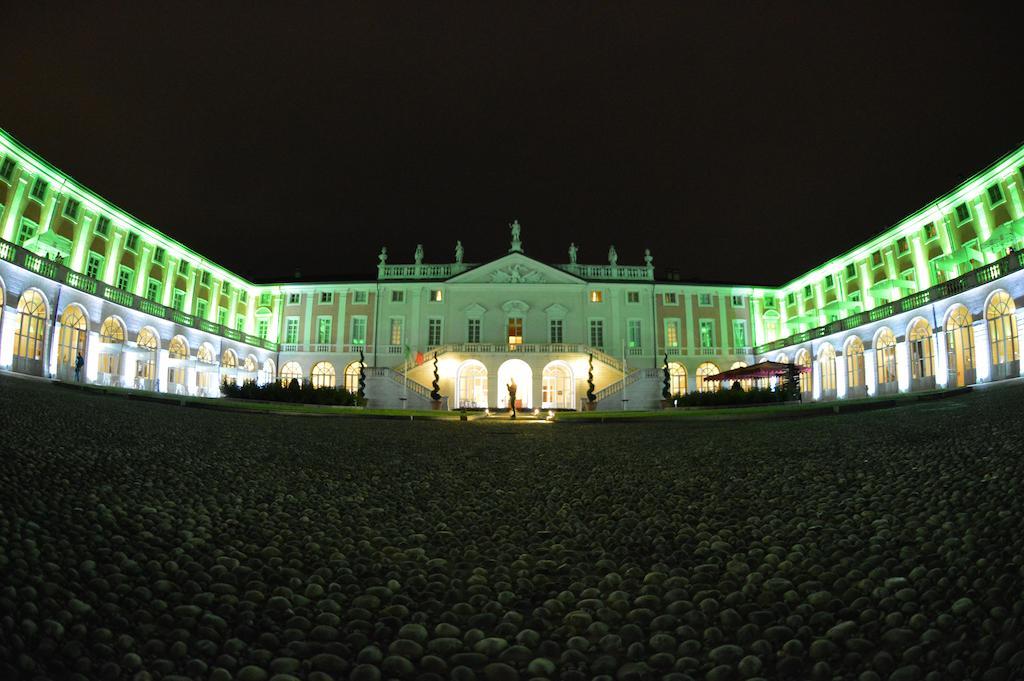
[
  {"x": 190, "y": 290},
  {"x": 160, "y": 370},
  {"x": 113, "y": 257},
  {"x": 92, "y": 357},
  {"x": 51, "y": 364},
  {"x": 15, "y": 206},
  {"x": 941, "y": 360},
  {"x": 170, "y": 274},
  {"x": 142, "y": 270},
  {"x": 840, "y": 376},
  {"x": 903, "y": 366},
  {"x": 816, "y": 379},
  {"x": 82, "y": 238},
  {"x": 7, "y": 325},
  {"x": 538, "y": 384},
  {"x": 870, "y": 378}
]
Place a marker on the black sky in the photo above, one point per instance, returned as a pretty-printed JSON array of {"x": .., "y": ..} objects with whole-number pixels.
[{"x": 739, "y": 141}]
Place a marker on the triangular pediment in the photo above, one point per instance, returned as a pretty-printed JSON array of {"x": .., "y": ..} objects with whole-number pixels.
[{"x": 514, "y": 269}]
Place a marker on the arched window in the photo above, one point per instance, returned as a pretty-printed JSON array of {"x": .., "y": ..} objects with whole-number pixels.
[
  {"x": 855, "y": 363},
  {"x": 471, "y": 385},
  {"x": 803, "y": 359},
  {"x": 960, "y": 346},
  {"x": 145, "y": 365},
  {"x": 205, "y": 354},
  {"x": 322, "y": 375},
  {"x": 250, "y": 366},
  {"x": 176, "y": 375},
  {"x": 30, "y": 332},
  {"x": 703, "y": 371},
  {"x": 207, "y": 379},
  {"x": 352, "y": 377},
  {"x": 557, "y": 387},
  {"x": 178, "y": 349},
  {"x": 922, "y": 350},
  {"x": 229, "y": 360},
  {"x": 885, "y": 359},
  {"x": 290, "y": 370},
  {"x": 112, "y": 336},
  {"x": 1002, "y": 331},
  {"x": 74, "y": 331},
  {"x": 827, "y": 369},
  {"x": 676, "y": 378}
]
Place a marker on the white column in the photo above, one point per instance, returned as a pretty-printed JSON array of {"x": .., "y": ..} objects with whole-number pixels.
[
  {"x": 92, "y": 359},
  {"x": 815, "y": 379},
  {"x": 941, "y": 360},
  {"x": 14, "y": 208},
  {"x": 870, "y": 379},
  {"x": 161, "y": 370},
  {"x": 191, "y": 387},
  {"x": 840, "y": 376},
  {"x": 903, "y": 366},
  {"x": 52, "y": 354},
  {"x": 982, "y": 351},
  {"x": 10, "y": 321}
]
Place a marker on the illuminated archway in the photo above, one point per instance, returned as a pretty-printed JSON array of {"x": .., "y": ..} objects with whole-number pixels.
[
  {"x": 558, "y": 386},
  {"x": 520, "y": 371},
  {"x": 112, "y": 336},
  {"x": 74, "y": 334},
  {"x": 267, "y": 374},
  {"x": 206, "y": 370},
  {"x": 854, "y": 352},
  {"x": 960, "y": 347},
  {"x": 290, "y": 370},
  {"x": 676, "y": 379},
  {"x": 1002, "y": 334},
  {"x": 703, "y": 371},
  {"x": 885, "y": 361},
  {"x": 177, "y": 359},
  {"x": 827, "y": 370},
  {"x": 322, "y": 375},
  {"x": 148, "y": 344},
  {"x": 803, "y": 359},
  {"x": 30, "y": 332},
  {"x": 352, "y": 378},
  {"x": 922, "y": 354},
  {"x": 471, "y": 385}
]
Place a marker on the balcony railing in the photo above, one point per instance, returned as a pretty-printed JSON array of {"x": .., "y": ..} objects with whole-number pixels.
[
  {"x": 525, "y": 348},
  {"x": 326, "y": 348},
  {"x": 63, "y": 275},
  {"x": 611, "y": 272},
  {"x": 976, "y": 277},
  {"x": 422, "y": 271}
]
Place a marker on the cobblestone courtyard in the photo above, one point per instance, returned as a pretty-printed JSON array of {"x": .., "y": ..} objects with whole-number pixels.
[{"x": 146, "y": 541}]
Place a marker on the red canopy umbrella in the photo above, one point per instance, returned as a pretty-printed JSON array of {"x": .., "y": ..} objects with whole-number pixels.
[{"x": 760, "y": 370}]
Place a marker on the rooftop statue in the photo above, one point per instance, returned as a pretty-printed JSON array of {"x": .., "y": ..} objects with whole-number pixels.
[
  {"x": 517, "y": 245},
  {"x": 572, "y": 253},
  {"x": 383, "y": 257},
  {"x": 648, "y": 259},
  {"x": 419, "y": 254},
  {"x": 613, "y": 256},
  {"x": 458, "y": 252}
]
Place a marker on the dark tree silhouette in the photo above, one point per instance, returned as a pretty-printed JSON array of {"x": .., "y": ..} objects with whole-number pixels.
[
  {"x": 361, "y": 392},
  {"x": 591, "y": 397},
  {"x": 665, "y": 380},
  {"x": 435, "y": 392}
]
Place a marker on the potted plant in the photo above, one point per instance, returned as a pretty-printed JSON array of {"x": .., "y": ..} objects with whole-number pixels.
[
  {"x": 591, "y": 402},
  {"x": 666, "y": 383},
  {"x": 435, "y": 388}
]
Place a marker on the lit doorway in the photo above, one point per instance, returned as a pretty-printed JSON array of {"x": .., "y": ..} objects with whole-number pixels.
[{"x": 523, "y": 375}]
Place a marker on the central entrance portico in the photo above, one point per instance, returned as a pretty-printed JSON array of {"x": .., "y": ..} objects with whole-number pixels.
[{"x": 522, "y": 373}]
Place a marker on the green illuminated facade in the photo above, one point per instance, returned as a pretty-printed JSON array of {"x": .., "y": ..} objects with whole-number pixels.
[{"x": 489, "y": 321}]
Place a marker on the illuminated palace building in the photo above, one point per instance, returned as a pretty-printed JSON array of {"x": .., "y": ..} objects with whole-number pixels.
[{"x": 931, "y": 302}]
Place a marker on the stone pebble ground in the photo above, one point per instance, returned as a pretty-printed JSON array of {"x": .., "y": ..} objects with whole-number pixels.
[{"x": 145, "y": 541}]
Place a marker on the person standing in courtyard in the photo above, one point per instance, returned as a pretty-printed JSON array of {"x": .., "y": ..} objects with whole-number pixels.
[
  {"x": 79, "y": 363},
  {"x": 512, "y": 396}
]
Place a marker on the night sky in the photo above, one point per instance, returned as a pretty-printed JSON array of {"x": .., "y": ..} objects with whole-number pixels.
[{"x": 739, "y": 142}]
